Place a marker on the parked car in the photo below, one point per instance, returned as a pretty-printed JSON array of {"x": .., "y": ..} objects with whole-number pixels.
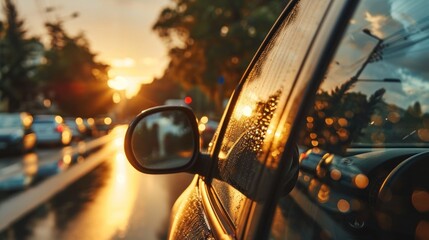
[
  {"x": 77, "y": 126},
  {"x": 16, "y": 133},
  {"x": 103, "y": 124},
  {"x": 52, "y": 130},
  {"x": 325, "y": 137},
  {"x": 90, "y": 127}
]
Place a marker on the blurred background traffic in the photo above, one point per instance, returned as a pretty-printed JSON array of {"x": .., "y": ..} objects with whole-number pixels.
[
  {"x": 58, "y": 58},
  {"x": 74, "y": 73},
  {"x": 74, "y": 65}
]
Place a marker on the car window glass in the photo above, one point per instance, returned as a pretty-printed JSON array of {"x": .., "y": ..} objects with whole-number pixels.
[
  {"x": 10, "y": 121},
  {"x": 370, "y": 114},
  {"x": 253, "y": 123},
  {"x": 379, "y": 76}
]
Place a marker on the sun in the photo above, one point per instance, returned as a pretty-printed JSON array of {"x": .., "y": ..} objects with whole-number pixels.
[
  {"x": 118, "y": 83},
  {"x": 129, "y": 85}
]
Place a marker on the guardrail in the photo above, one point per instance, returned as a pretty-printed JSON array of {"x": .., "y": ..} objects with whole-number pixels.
[{"x": 17, "y": 206}]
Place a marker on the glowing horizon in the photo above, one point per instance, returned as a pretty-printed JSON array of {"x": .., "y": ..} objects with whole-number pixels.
[
  {"x": 118, "y": 32},
  {"x": 129, "y": 84}
]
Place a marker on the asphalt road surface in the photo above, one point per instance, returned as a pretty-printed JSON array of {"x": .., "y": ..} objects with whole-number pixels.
[{"x": 113, "y": 201}]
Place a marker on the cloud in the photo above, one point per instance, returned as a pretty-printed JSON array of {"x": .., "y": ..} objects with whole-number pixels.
[
  {"x": 404, "y": 26},
  {"x": 377, "y": 22},
  {"x": 412, "y": 50}
]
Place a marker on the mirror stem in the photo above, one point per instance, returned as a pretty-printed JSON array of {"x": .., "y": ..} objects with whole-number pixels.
[{"x": 202, "y": 165}]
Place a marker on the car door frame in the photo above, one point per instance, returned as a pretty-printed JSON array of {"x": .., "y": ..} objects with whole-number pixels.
[
  {"x": 256, "y": 219},
  {"x": 306, "y": 84}
]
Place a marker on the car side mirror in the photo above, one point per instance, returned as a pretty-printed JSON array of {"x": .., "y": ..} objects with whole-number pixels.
[{"x": 164, "y": 140}]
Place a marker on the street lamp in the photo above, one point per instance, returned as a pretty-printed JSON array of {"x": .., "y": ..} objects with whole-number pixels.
[
  {"x": 376, "y": 52},
  {"x": 61, "y": 19}
]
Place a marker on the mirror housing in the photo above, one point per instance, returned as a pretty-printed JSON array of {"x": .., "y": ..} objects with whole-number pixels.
[{"x": 165, "y": 139}]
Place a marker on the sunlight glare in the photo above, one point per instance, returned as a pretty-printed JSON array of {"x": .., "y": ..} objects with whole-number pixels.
[
  {"x": 247, "y": 111},
  {"x": 130, "y": 85},
  {"x": 123, "y": 62},
  {"x": 118, "y": 83}
]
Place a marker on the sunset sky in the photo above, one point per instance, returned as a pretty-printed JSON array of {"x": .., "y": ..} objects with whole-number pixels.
[{"x": 119, "y": 31}]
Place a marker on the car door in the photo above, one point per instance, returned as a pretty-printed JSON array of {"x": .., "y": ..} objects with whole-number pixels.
[
  {"x": 254, "y": 153},
  {"x": 364, "y": 141}
]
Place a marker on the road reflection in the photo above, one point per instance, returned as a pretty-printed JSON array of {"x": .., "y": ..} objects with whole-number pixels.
[
  {"x": 21, "y": 172},
  {"x": 30, "y": 164},
  {"x": 113, "y": 201}
]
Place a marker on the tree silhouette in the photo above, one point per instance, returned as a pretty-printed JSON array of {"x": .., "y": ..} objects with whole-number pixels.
[
  {"x": 212, "y": 40},
  {"x": 16, "y": 53},
  {"x": 72, "y": 77}
]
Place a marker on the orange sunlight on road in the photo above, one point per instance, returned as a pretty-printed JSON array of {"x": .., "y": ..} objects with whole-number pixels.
[{"x": 113, "y": 206}]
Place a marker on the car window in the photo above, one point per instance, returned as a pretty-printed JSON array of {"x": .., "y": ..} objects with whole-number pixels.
[
  {"x": 256, "y": 114},
  {"x": 369, "y": 115},
  {"x": 10, "y": 121},
  {"x": 44, "y": 121},
  {"x": 378, "y": 81}
]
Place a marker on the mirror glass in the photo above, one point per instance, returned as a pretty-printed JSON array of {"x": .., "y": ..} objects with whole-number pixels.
[{"x": 163, "y": 140}]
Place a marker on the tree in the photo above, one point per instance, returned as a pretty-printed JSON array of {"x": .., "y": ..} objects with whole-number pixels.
[
  {"x": 16, "y": 55},
  {"x": 212, "y": 40},
  {"x": 339, "y": 117},
  {"x": 72, "y": 77}
]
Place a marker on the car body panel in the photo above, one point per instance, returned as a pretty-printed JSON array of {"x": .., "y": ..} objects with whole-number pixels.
[{"x": 189, "y": 220}]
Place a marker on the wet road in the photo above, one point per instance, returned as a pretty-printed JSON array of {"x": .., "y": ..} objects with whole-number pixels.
[{"x": 113, "y": 201}]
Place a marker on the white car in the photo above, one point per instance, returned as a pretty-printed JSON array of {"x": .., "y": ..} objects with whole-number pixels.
[{"x": 51, "y": 129}]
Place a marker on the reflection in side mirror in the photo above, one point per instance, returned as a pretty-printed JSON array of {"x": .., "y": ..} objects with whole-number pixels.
[{"x": 162, "y": 140}]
